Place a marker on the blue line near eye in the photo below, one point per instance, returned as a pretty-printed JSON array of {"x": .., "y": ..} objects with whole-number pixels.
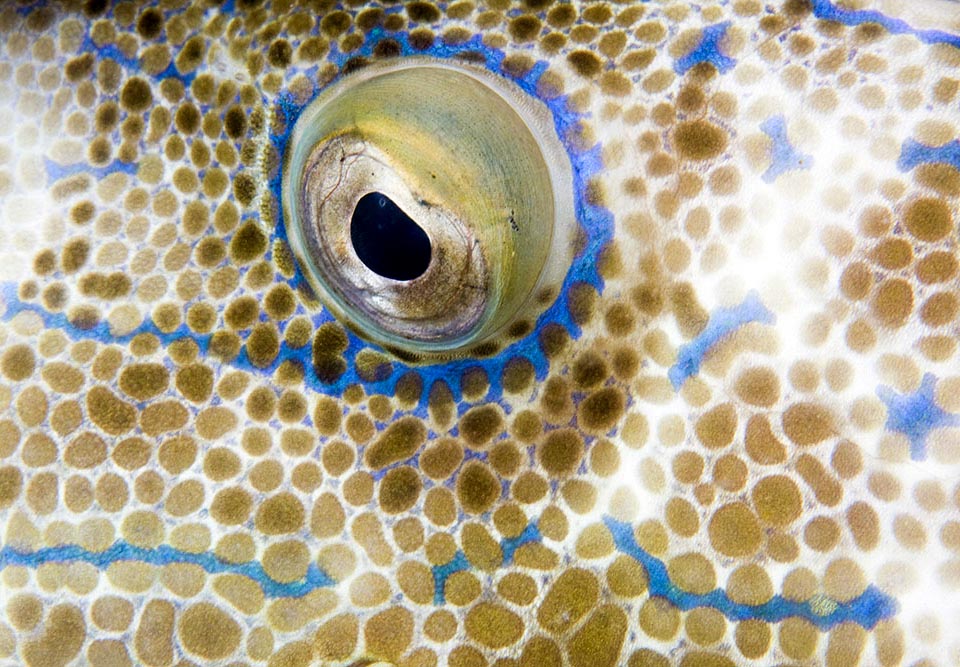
[
  {"x": 722, "y": 323},
  {"x": 871, "y": 607},
  {"x": 708, "y": 51},
  {"x": 784, "y": 157},
  {"x": 916, "y": 414},
  {"x": 825, "y": 9},
  {"x": 913, "y": 154},
  {"x": 122, "y": 551}
]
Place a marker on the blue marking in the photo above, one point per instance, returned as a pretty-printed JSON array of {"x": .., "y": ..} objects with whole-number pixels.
[
  {"x": 510, "y": 545},
  {"x": 441, "y": 572},
  {"x": 783, "y": 156},
  {"x": 871, "y": 607},
  {"x": 916, "y": 414},
  {"x": 913, "y": 154},
  {"x": 57, "y": 171},
  {"x": 721, "y": 324},
  {"x": 825, "y": 9},
  {"x": 165, "y": 555},
  {"x": 708, "y": 51}
]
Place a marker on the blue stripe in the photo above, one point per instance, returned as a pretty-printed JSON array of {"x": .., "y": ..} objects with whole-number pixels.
[
  {"x": 868, "y": 609},
  {"x": 166, "y": 555}
]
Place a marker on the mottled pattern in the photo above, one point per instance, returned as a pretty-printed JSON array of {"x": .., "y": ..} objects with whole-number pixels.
[{"x": 733, "y": 439}]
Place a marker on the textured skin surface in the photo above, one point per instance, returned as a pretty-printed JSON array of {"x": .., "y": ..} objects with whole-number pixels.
[{"x": 734, "y": 439}]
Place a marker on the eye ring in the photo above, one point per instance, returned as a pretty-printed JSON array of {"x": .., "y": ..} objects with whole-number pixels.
[{"x": 466, "y": 160}]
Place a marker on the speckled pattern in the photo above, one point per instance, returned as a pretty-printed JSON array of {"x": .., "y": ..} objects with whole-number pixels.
[{"x": 732, "y": 439}]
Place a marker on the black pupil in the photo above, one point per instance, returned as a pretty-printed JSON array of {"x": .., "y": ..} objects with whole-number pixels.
[{"x": 387, "y": 240}]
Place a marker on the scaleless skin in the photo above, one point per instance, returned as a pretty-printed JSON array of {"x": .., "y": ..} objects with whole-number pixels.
[{"x": 733, "y": 439}]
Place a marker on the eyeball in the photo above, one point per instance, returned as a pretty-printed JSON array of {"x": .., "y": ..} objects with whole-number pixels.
[{"x": 429, "y": 205}]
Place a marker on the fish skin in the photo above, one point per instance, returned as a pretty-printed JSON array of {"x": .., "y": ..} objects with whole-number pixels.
[{"x": 732, "y": 438}]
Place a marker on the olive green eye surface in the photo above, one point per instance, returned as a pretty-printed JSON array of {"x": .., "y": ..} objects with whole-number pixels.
[{"x": 429, "y": 204}]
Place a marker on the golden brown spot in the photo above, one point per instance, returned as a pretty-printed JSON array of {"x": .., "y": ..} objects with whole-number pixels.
[
  {"x": 477, "y": 487},
  {"x": 808, "y": 424},
  {"x": 699, "y": 140},
  {"x": 231, "y": 506},
  {"x": 735, "y": 531},
  {"x": 585, "y": 63},
  {"x": 893, "y": 302},
  {"x": 659, "y": 618},
  {"x": 777, "y": 500},
  {"x": 336, "y": 638},
  {"x": 136, "y": 95},
  {"x": 572, "y": 595},
  {"x": 716, "y": 427},
  {"x": 109, "y": 412},
  {"x": 560, "y": 452},
  {"x": 287, "y": 561},
  {"x": 601, "y": 410},
  {"x": 18, "y": 362},
  {"x": 758, "y": 386},
  {"x": 481, "y": 424},
  {"x": 144, "y": 381},
  {"x": 928, "y": 219},
  {"x": 208, "y": 631},
  {"x": 441, "y": 458},
  {"x": 279, "y": 514},
  {"x": 399, "y": 490},
  {"x": 389, "y": 633},
  {"x": 692, "y": 572}
]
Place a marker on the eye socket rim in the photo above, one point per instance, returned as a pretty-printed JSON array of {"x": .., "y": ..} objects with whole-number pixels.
[{"x": 559, "y": 234}]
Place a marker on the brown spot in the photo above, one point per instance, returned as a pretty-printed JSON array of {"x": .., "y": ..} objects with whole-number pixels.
[
  {"x": 399, "y": 490},
  {"x": 493, "y": 625},
  {"x": 477, "y": 487},
  {"x": 716, "y": 427},
  {"x": 136, "y": 95},
  {"x": 86, "y": 451},
  {"x": 585, "y": 63},
  {"x": 481, "y": 424},
  {"x": 699, "y": 140},
  {"x": 248, "y": 244},
  {"x": 231, "y": 506},
  {"x": 389, "y": 633},
  {"x": 62, "y": 638},
  {"x": 893, "y": 302},
  {"x": 599, "y": 641},
  {"x": 336, "y": 638},
  {"x": 280, "y": 514},
  {"x": 208, "y": 631},
  {"x": 572, "y": 595},
  {"x": 928, "y": 219},
  {"x": 735, "y": 531},
  {"x": 758, "y": 386},
  {"x": 777, "y": 500},
  {"x": 808, "y": 424},
  {"x": 144, "y": 381},
  {"x": 398, "y": 442},
  {"x": 560, "y": 452},
  {"x": 18, "y": 362},
  {"x": 109, "y": 412}
]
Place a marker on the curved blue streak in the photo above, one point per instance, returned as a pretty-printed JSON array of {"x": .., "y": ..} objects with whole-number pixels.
[
  {"x": 871, "y": 607},
  {"x": 722, "y": 323}
]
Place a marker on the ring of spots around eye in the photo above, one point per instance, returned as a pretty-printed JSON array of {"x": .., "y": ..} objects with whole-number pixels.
[{"x": 556, "y": 307}]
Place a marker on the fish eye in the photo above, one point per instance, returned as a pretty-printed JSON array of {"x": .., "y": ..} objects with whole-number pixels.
[{"x": 429, "y": 204}]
